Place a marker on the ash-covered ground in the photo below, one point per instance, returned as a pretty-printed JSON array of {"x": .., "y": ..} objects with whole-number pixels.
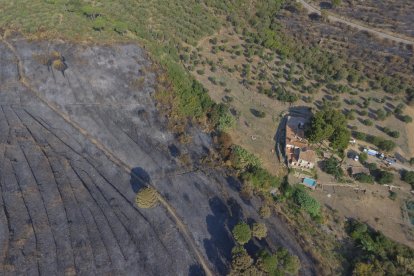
[{"x": 72, "y": 145}]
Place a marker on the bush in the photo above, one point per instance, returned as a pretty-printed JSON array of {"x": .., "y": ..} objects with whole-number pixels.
[
  {"x": 259, "y": 230},
  {"x": 367, "y": 122},
  {"x": 242, "y": 233},
  {"x": 406, "y": 119},
  {"x": 306, "y": 202},
  {"x": 146, "y": 198},
  {"x": 332, "y": 166},
  {"x": 265, "y": 211},
  {"x": 384, "y": 177},
  {"x": 363, "y": 157},
  {"x": 261, "y": 178},
  {"x": 242, "y": 159},
  {"x": 392, "y": 195},
  {"x": 408, "y": 176},
  {"x": 364, "y": 178},
  {"x": 120, "y": 27}
]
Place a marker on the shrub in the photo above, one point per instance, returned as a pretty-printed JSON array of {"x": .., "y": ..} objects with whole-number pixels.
[
  {"x": 408, "y": 176},
  {"x": 265, "y": 211},
  {"x": 364, "y": 178},
  {"x": 99, "y": 24},
  {"x": 406, "y": 119},
  {"x": 392, "y": 195},
  {"x": 242, "y": 159},
  {"x": 261, "y": 178},
  {"x": 146, "y": 198},
  {"x": 367, "y": 122},
  {"x": 332, "y": 166},
  {"x": 259, "y": 230},
  {"x": 306, "y": 202},
  {"x": 384, "y": 177},
  {"x": 120, "y": 27},
  {"x": 363, "y": 157},
  {"x": 242, "y": 233},
  {"x": 241, "y": 260}
]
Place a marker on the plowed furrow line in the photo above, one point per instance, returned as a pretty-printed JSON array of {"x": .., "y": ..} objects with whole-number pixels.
[
  {"x": 51, "y": 198},
  {"x": 113, "y": 157},
  {"x": 49, "y": 248},
  {"x": 92, "y": 219},
  {"x": 110, "y": 220},
  {"x": 79, "y": 234},
  {"x": 82, "y": 250}
]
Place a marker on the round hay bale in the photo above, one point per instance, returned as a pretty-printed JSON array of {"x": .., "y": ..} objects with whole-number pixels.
[
  {"x": 59, "y": 65},
  {"x": 54, "y": 55},
  {"x": 146, "y": 198}
]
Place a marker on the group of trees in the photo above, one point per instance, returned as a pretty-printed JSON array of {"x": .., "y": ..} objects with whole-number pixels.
[
  {"x": 306, "y": 202},
  {"x": 329, "y": 124},
  {"x": 264, "y": 262},
  {"x": 381, "y": 143},
  {"x": 375, "y": 254}
]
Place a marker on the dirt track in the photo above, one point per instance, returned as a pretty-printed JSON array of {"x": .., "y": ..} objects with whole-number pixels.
[
  {"x": 75, "y": 148},
  {"x": 335, "y": 18}
]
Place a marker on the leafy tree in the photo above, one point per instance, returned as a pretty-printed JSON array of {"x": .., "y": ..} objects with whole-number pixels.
[
  {"x": 265, "y": 211},
  {"x": 364, "y": 178},
  {"x": 242, "y": 159},
  {"x": 329, "y": 124},
  {"x": 242, "y": 233},
  {"x": 384, "y": 177},
  {"x": 261, "y": 178},
  {"x": 241, "y": 260},
  {"x": 259, "y": 230},
  {"x": 332, "y": 166},
  {"x": 306, "y": 202},
  {"x": 363, "y": 157},
  {"x": 412, "y": 161},
  {"x": 408, "y": 176},
  {"x": 336, "y": 3}
]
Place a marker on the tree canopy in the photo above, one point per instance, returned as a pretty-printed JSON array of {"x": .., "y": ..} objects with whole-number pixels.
[
  {"x": 242, "y": 233},
  {"x": 329, "y": 124}
]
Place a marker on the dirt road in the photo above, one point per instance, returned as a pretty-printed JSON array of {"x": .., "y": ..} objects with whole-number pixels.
[{"x": 357, "y": 25}]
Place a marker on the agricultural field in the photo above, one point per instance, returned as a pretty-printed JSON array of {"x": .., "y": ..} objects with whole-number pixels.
[{"x": 163, "y": 120}]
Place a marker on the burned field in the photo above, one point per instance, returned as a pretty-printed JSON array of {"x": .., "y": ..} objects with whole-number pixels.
[{"x": 78, "y": 139}]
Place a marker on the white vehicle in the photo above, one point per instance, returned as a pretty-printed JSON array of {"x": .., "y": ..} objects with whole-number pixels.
[{"x": 356, "y": 158}]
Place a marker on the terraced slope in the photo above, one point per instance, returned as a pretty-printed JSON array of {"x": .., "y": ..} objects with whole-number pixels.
[{"x": 76, "y": 146}]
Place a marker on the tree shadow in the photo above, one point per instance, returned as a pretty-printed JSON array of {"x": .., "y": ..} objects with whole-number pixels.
[
  {"x": 139, "y": 179},
  {"x": 218, "y": 247},
  {"x": 196, "y": 270}
]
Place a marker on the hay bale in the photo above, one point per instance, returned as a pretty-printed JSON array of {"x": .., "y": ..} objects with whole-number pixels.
[
  {"x": 59, "y": 65},
  {"x": 146, "y": 198}
]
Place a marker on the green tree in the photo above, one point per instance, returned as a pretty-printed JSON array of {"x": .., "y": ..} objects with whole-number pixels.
[
  {"x": 242, "y": 233},
  {"x": 241, "y": 260},
  {"x": 336, "y": 3},
  {"x": 329, "y": 124},
  {"x": 265, "y": 211},
  {"x": 384, "y": 177},
  {"x": 363, "y": 157},
  {"x": 364, "y": 178},
  {"x": 259, "y": 230},
  {"x": 306, "y": 202},
  {"x": 412, "y": 161},
  {"x": 408, "y": 176},
  {"x": 332, "y": 166}
]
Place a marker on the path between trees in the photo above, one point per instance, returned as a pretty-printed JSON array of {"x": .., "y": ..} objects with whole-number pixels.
[{"x": 357, "y": 25}]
